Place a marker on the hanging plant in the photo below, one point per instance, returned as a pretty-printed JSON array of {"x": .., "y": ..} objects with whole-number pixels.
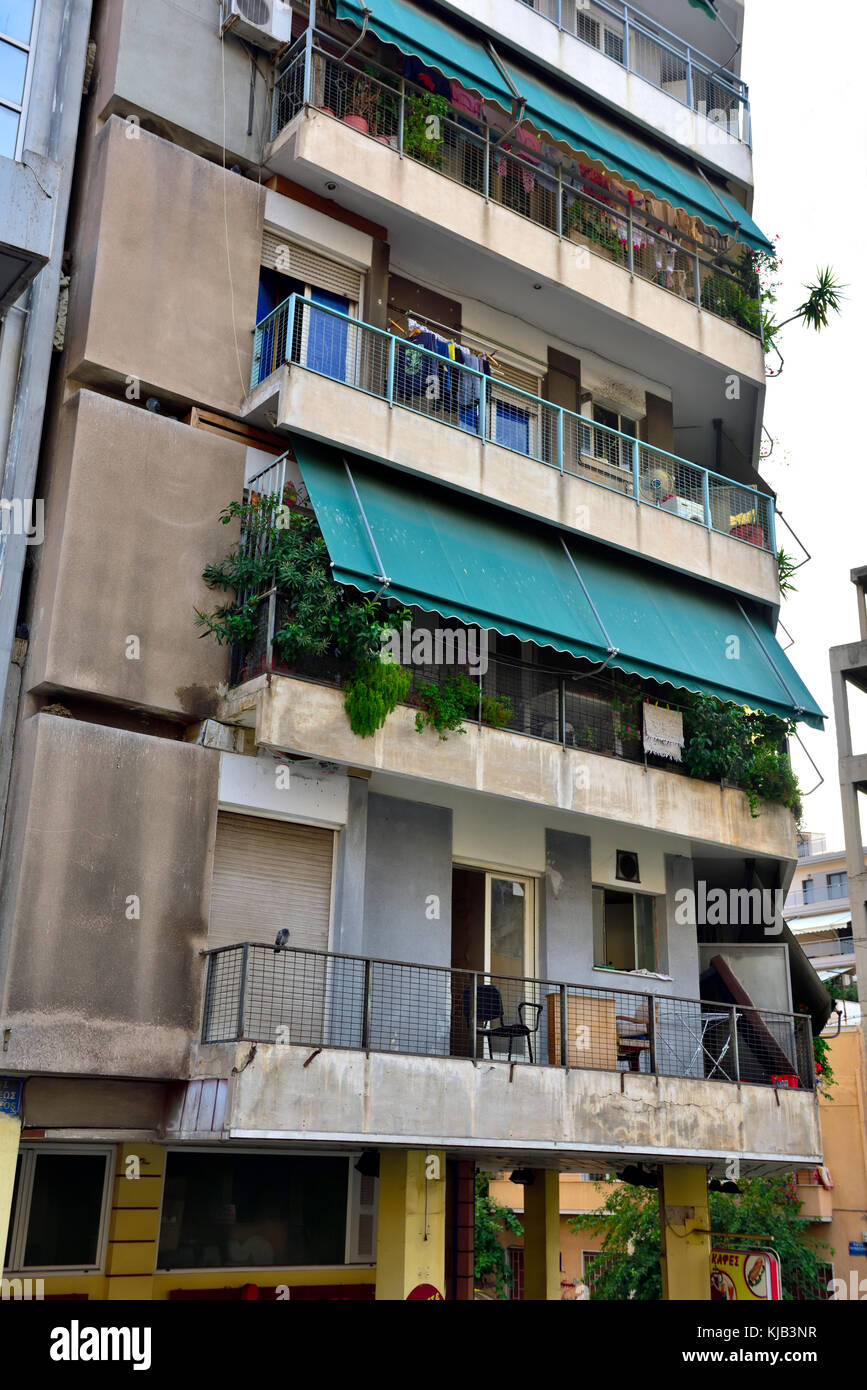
[{"x": 373, "y": 693}]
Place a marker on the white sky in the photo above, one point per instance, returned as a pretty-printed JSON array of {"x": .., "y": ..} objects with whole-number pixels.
[{"x": 804, "y": 64}]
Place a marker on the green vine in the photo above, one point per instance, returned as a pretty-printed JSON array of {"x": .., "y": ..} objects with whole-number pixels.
[
  {"x": 491, "y": 1221},
  {"x": 281, "y": 549},
  {"x": 728, "y": 743},
  {"x": 373, "y": 693},
  {"x": 423, "y": 130},
  {"x": 824, "y": 1074}
]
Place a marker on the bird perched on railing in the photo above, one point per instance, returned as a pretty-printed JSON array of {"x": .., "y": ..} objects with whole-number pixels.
[{"x": 281, "y": 939}]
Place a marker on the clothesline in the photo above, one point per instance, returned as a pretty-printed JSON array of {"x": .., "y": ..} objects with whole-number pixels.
[{"x": 415, "y": 327}]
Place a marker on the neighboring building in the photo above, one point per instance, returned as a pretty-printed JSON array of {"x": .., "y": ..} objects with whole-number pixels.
[
  {"x": 836, "y": 1193},
  {"x": 817, "y": 910},
  {"x": 849, "y": 671},
  {"x": 561, "y": 455}
]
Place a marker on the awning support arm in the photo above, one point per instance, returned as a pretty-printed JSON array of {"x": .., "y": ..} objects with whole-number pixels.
[
  {"x": 799, "y": 709},
  {"x": 382, "y": 574},
  {"x": 609, "y": 647}
]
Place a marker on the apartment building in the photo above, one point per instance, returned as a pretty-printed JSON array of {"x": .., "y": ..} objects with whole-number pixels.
[
  {"x": 848, "y": 680},
  {"x": 472, "y": 289},
  {"x": 818, "y": 912}
]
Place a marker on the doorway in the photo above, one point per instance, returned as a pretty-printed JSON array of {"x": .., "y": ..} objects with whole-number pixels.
[{"x": 493, "y": 942}]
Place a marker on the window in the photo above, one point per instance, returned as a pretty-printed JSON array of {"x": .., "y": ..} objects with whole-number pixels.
[
  {"x": 17, "y": 35},
  {"x": 58, "y": 1209},
  {"x": 624, "y": 930},
  {"x": 838, "y": 885},
  {"x": 602, "y": 444},
  {"x": 255, "y": 1211},
  {"x": 808, "y": 890}
]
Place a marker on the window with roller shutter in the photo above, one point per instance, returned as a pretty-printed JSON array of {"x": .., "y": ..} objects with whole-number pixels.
[
  {"x": 270, "y": 874},
  {"x": 289, "y": 258}
]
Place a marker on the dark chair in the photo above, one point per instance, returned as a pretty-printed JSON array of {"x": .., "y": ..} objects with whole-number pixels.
[{"x": 489, "y": 1008}]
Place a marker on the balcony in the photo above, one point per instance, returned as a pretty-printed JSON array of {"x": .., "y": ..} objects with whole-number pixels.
[
  {"x": 303, "y": 716},
  {"x": 648, "y": 263},
  {"x": 628, "y": 39},
  {"x": 514, "y": 448},
  {"x": 387, "y": 1050}
]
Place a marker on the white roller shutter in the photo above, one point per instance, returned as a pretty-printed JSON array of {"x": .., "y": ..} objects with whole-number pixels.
[
  {"x": 270, "y": 874},
  {"x": 279, "y": 253}
]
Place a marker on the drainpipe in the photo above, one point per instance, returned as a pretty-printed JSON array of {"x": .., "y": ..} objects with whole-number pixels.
[
  {"x": 717, "y": 445},
  {"x": 57, "y": 143}
]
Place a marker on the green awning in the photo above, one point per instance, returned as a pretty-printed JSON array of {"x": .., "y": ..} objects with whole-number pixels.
[
  {"x": 457, "y": 55},
  {"x": 467, "y": 559}
]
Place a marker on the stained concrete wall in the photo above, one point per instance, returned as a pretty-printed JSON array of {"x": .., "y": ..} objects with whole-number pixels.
[
  {"x": 547, "y": 1114},
  {"x": 164, "y": 60},
  {"x": 311, "y": 719},
  {"x": 163, "y": 290},
  {"x": 101, "y": 817},
  {"x": 132, "y": 518}
]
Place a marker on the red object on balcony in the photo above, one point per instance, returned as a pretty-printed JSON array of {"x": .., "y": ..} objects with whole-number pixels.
[
  {"x": 787, "y": 1080},
  {"x": 750, "y": 532},
  {"x": 357, "y": 122}
]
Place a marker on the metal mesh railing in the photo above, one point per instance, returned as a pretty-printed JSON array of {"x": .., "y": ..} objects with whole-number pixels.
[
  {"x": 520, "y": 172},
  {"x": 641, "y": 45},
  {"x": 259, "y": 993},
  {"x": 304, "y": 333}
]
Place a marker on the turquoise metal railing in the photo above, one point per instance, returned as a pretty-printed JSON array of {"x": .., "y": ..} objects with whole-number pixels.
[{"x": 303, "y": 333}]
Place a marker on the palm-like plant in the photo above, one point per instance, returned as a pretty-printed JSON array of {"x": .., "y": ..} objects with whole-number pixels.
[{"x": 824, "y": 298}]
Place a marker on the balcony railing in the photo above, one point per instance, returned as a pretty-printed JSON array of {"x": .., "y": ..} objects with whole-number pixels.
[
  {"x": 255, "y": 992},
  {"x": 643, "y": 46},
  {"x": 306, "y": 334},
  {"x": 525, "y": 175},
  {"x": 820, "y": 893}
]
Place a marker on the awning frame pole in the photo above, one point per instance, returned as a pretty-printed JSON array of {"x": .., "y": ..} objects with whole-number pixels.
[
  {"x": 382, "y": 574},
  {"x": 610, "y": 647},
  {"x": 798, "y": 708}
]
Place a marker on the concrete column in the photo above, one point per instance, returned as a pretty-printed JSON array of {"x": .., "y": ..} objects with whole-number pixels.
[
  {"x": 684, "y": 1221},
  {"x": 542, "y": 1237},
  {"x": 10, "y": 1131},
  {"x": 411, "y": 1230}
]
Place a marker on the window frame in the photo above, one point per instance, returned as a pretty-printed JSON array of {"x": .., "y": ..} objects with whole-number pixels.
[
  {"x": 21, "y": 110},
  {"x": 625, "y": 891},
  {"x": 20, "y": 1218},
  {"x": 353, "y": 1192}
]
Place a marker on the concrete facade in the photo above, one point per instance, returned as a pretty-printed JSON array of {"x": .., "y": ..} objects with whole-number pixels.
[
  {"x": 105, "y": 898},
  {"x": 140, "y": 494},
  {"x": 161, "y": 297}
]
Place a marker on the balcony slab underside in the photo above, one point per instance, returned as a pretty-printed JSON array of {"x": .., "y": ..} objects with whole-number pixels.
[
  {"x": 297, "y": 716},
  {"x": 497, "y": 246},
  {"x": 305, "y": 402},
  {"x": 549, "y": 1116}
]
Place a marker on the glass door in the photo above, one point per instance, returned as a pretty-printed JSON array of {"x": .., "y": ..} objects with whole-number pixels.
[{"x": 509, "y": 934}]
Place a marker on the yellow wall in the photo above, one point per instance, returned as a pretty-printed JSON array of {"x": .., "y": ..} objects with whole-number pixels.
[
  {"x": 844, "y": 1133},
  {"x": 133, "y": 1237}
]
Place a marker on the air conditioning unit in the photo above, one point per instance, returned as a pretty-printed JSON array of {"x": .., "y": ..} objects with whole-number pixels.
[{"x": 265, "y": 23}]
